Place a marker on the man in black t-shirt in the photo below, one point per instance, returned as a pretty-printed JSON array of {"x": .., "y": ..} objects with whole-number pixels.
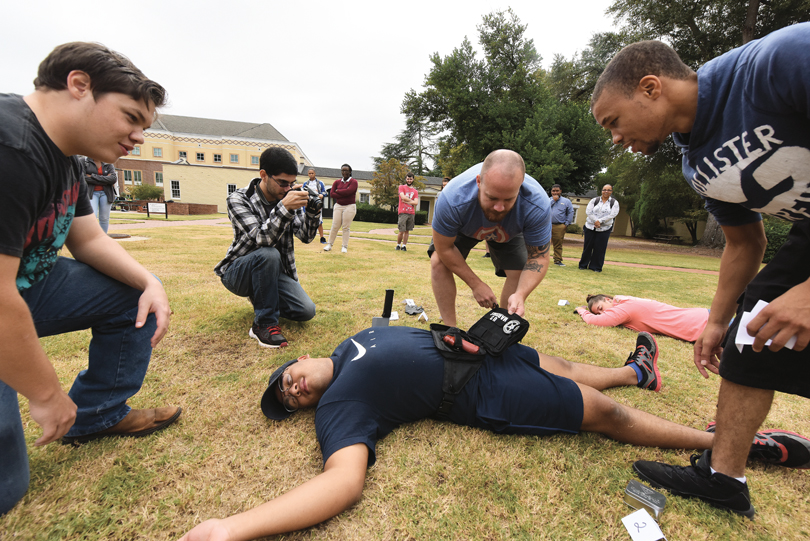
[
  {"x": 383, "y": 377},
  {"x": 94, "y": 102}
]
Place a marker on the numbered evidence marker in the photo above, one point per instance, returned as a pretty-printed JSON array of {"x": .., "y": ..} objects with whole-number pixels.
[{"x": 641, "y": 526}]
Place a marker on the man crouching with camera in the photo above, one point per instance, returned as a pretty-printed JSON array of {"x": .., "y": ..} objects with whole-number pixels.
[{"x": 260, "y": 264}]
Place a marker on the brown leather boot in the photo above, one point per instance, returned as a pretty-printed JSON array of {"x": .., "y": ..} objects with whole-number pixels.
[{"x": 137, "y": 423}]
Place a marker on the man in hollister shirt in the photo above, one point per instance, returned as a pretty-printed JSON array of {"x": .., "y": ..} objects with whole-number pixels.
[{"x": 742, "y": 123}]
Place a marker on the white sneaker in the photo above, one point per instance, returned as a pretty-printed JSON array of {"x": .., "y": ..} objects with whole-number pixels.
[
  {"x": 327, "y": 247},
  {"x": 343, "y": 250}
]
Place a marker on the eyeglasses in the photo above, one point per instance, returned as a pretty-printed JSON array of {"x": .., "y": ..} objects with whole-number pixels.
[
  {"x": 283, "y": 184},
  {"x": 289, "y": 402}
]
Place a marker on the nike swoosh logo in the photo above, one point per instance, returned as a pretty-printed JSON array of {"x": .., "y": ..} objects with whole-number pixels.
[{"x": 360, "y": 350}]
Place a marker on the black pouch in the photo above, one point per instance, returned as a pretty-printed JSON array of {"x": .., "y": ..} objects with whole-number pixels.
[
  {"x": 459, "y": 365},
  {"x": 498, "y": 330}
]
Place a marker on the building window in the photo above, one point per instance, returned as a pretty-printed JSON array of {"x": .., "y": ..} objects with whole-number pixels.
[
  {"x": 231, "y": 188},
  {"x": 137, "y": 177},
  {"x": 157, "y": 152},
  {"x": 158, "y": 178},
  {"x": 127, "y": 176},
  {"x": 234, "y": 158},
  {"x": 217, "y": 158},
  {"x": 175, "y": 189},
  {"x": 183, "y": 154},
  {"x": 254, "y": 160},
  {"x": 201, "y": 156},
  {"x": 136, "y": 151},
  {"x": 574, "y": 219},
  {"x": 364, "y": 198}
]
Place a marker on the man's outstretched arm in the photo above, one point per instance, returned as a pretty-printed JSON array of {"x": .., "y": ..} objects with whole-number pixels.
[
  {"x": 451, "y": 258},
  {"x": 322, "y": 497}
]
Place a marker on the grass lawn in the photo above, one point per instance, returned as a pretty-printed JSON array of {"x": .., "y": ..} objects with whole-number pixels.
[
  {"x": 432, "y": 480},
  {"x": 119, "y": 217}
]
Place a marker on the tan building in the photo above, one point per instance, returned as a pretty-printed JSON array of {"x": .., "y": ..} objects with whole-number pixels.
[{"x": 199, "y": 141}]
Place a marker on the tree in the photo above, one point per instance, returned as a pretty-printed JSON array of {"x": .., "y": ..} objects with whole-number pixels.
[
  {"x": 389, "y": 175},
  {"x": 416, "y": 145},
  {"x": 502, "y": 100},
  {"x": 700, "y": 30},
  {"x": 146, "y": 192}
]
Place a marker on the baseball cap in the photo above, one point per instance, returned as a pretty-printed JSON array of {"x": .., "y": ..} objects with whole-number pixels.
[{"x": 271, "y": 407}]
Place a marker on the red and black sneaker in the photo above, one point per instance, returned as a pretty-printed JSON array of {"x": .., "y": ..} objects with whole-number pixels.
[
  {"x": 646, "y": 358},
  {"x": 268, "y": 337},
  {"x": 780, "y": 447}
]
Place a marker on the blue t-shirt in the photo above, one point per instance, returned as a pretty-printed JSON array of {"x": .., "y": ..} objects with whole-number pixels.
[
  {"x": 386, "y": 376},
  {"x": 458, "y": 212},
  {"x": 749, "y": 149}
]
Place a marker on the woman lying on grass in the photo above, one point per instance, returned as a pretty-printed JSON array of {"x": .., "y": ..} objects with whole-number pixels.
[{"x": 644, "y": 315}]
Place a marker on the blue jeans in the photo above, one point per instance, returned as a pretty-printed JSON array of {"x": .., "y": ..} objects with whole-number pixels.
[
  {"x": 259, "y": 275},
  {"x": 72, "y": 297},
  {"x": 101, "y": 208}
]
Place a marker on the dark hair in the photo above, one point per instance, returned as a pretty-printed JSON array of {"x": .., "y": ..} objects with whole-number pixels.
[
  {"x": 556, "y": 186},
  {"x": 409, "y": 175},
  {"x": 346, "y": 165},
  {"x": 636, "y": 61},
  {"x": 108, "y": 70},
  {"x": 277, "y": 160},
  {"x": 593, "y": 299}
]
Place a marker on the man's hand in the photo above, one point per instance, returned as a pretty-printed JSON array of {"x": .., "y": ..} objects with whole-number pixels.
[
  {"x": 55, "y": 415},
  {"x": 515, "y": 304},
  {"x": 484, "y": 295},
  {"x": 597, "y": 223},
  {"x": 154, "y": 300},
  {"x": 786, "y": 316},
  {"x": 708, "y": 350},
  {"x": 294, "y": 199},
  {"x": 210, "y": 530}
]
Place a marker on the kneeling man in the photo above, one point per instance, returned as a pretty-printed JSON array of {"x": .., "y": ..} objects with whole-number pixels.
[
  {"x": 495, "y": 201},
  {"x": 260, "y": 264}
]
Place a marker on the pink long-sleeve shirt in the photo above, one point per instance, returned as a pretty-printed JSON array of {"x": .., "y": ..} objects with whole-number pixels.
[{"x": 650, "y": 316}]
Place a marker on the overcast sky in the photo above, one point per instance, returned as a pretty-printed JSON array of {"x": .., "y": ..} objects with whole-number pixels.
[{"x": 328, "y": 75}]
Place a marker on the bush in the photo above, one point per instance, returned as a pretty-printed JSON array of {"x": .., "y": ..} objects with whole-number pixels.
[
  {"x": 146, "y": 192},
  {"x": 776, "y": 230},
  {"x": 573, "y": 228},
  {"x": 370, "y": 213}
]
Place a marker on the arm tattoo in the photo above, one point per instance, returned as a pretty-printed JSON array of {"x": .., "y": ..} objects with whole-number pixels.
[{"x": 536, "y": 252}]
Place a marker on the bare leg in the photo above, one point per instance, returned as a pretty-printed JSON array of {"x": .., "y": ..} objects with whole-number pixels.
[
  {"x": 320, "y": 230},
  {"x": 598, "y": 377},
  {"x": 405, "y": 237},
  {"x": 629, "y": 425},
  {"x": 740, "y": 412},
  {"x": 444, "y": 289},
  {"x": 510, "y": 286}
]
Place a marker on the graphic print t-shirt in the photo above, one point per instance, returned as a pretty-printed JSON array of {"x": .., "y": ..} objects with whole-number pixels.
[{"x": 42, "y": 191}]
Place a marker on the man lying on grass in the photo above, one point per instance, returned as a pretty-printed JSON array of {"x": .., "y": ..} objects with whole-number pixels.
[{"x": 383, "y": 377}]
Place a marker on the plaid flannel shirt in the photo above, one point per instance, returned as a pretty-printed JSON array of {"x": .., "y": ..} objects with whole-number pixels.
[{"x": 257, "y": 223}]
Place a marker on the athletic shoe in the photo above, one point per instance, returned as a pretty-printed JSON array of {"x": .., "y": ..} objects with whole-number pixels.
[
  {"x": 323, "y": 240},
  {"x": 698, "y": 481},
  {"x": 486, "y": 255},
  {"x": 268, "y": 337},
  {"x": 344, "y": 250},
  {"x": 398, "y": 248},
  {"x": 780, "y": 447},
  {"x": 404, "y": 248},
  {"x": 327, "y": 247},
  {"x": 646, "y": 358},
  {"x": 559, "y": 264}
]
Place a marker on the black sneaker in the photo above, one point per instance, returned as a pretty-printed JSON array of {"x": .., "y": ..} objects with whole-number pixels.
[
  {"x": 780, "y": 447},
  {"x": 268, "y": 337},
  {"x": 398, "y": 248},
  {"x": 697, "y": 481},
  {"x": 559, "y": 263},
  {"x": 486, "y": 255},
  {"x": 323, "y": 240},
  {"x": 404, "y": 248},
  {"x": 646, "y": 357}
]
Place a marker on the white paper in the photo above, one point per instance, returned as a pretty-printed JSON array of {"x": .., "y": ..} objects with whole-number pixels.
[
  {"x": 743, "y": 338},
  {"x": 409, "y": 302},
  {"x": 563, "y": 302},
  {"x": 394, "y": 316},
  {"x": 422, "y": 315},
  {"x": 641, "y": 526}
]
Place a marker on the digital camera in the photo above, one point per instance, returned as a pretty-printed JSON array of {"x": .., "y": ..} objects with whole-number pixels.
[{"x": 314, "y": 202}]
